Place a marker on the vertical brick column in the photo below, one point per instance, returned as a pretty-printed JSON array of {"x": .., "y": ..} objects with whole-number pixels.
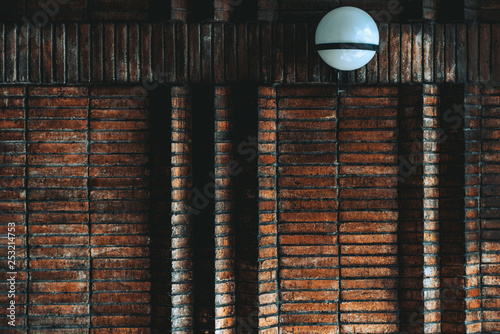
[
  {"x": 431, "y": 287},
  {"x": 490, "y": 209},
  {"x": 180, "y": 10},
  {"x": 368, "y": 210},
  {"x": 13, "y": 218},
  {"x": 307, "y": 210},
  {"x": 450, "y": 10},
  {"x": 268, "y": 224},
  {"x": 451, "y": 208},
  {"x": 182, "y": 230},
  {"x": 203, "y": 223},
  {"x": 58, "y": 207},
  {"x": 472, "y": 200},
  {"x": 119, "y": 211},
  {"x": 225, "y": 311},
  {"x": 246, "y": 206}
]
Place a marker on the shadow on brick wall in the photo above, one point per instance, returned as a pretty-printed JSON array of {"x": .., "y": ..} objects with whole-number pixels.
[
  {"x": 160, "y": 198},
  {"x": 451, "y": 208}
]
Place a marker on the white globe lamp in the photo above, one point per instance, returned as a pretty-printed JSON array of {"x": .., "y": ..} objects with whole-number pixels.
[{"x": 347, "y": 38}]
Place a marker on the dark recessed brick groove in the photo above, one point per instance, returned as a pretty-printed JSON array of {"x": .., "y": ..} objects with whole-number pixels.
[
  {"x": 58, "y": 207},
  {"x": 410, "y": 204},
  {"x": 119, "y": 209},
  {"x": 432, "y": 316},
  {"x": 489, "y": 206},
  {"x": 14, "y": 185}
]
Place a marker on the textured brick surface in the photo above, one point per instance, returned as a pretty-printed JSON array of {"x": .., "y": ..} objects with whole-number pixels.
[
  {"x": 489, "y": 208},
  {"x": 307, "y": 210},
  {"x": 41, "y": 12},
  {"x": 216, "y": 182},
  {"x": 368, "y": 210},
  {"x": 222, "y": 52},
  {"x": 57, "y": 206},
  {"x": 181, "y": 238},
  {"x": 87, "y": 211},
  {"x": 119, "y": 192}
]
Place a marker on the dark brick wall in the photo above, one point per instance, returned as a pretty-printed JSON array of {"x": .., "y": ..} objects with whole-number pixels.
[
  {"x": 222, "y": 53},
  {"x": 185, "y": 167}
]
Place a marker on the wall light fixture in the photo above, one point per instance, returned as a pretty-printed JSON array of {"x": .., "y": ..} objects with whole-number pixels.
[{"x": 347, "y": 38}]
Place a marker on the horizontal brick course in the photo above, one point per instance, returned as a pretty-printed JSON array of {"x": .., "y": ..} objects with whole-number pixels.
[{"x": 405, "y": 56}]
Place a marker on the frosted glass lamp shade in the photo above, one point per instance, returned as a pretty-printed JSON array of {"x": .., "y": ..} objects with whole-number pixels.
[{"x": 347, "y": 38}]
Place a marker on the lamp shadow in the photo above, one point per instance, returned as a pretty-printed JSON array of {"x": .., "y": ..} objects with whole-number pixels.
[{"x": 160, "y": 199}]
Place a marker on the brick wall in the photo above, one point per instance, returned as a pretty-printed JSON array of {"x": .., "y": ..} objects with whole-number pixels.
[
  {"x": 307, "y": 215},
  {"x": 489, "y": 208},
  {"x": 81, "y": 171},
  {"x": 179, "y": 167},
  {"x": 41, "y": 12},
  {"x": 222, "y": 53},
  {"x": 87, "y": 245}
]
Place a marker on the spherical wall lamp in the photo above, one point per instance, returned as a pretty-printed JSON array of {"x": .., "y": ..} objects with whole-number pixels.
[{"x": 347, "y": 38}]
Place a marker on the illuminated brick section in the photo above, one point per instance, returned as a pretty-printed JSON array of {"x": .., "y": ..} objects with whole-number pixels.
[
  {"x": 181, "y": 225},
  {"x": 312, "y": 226},
  {"x": 307, "y": 210},
  {"x": 348, "y": 236},
  {"x": 432, "y": 315},
  {"x": 119, "y": 210},
  {"x": 376, "y": 215},
  {"x": 268, "y": 214},
  {"x": 368, "y": 211},
  {"x": 490, "y": 208},
  {"x": 58, "y": 206},
  {"x": 225, "y": 297},
  {"x": 472, "y": 208}
]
